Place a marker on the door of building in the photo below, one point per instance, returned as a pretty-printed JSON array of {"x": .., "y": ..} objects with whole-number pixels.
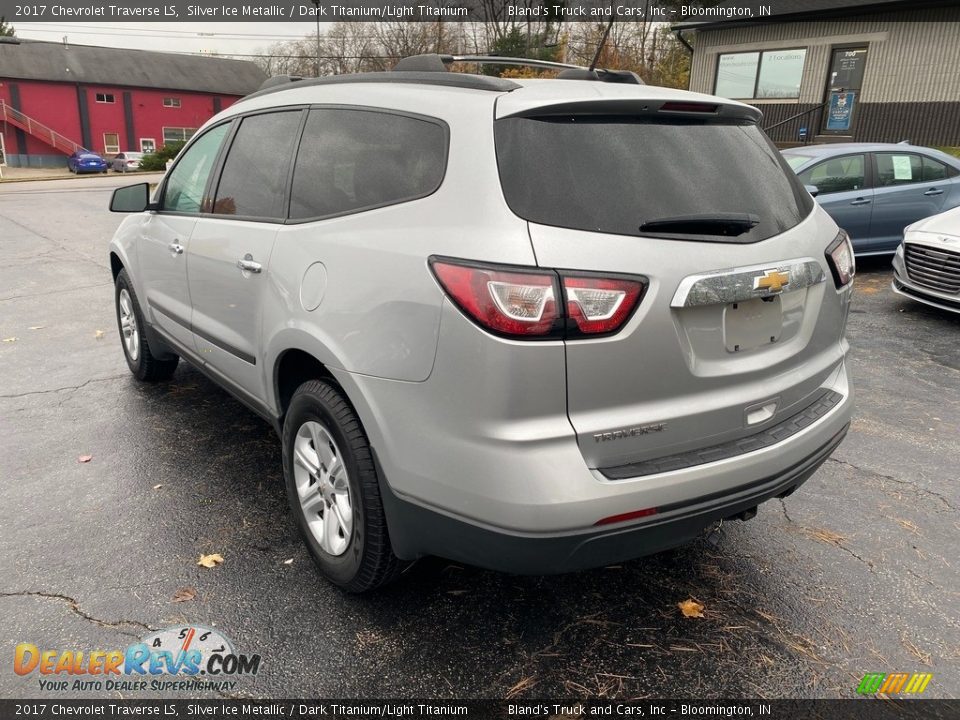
[{"x": 844, "y": 83}]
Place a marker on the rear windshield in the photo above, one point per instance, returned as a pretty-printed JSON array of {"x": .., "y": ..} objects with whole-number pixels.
[{"x": 613, "y": 174}]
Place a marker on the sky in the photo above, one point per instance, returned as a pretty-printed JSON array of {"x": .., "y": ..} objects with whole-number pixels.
[{"x": 224, "y": 38}]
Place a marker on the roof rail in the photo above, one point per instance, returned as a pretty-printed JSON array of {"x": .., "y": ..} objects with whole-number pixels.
[{"x": 438, "y": 63}]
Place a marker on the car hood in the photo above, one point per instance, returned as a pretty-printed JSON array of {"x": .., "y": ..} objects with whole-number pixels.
[{"x": 946, "y": 223}]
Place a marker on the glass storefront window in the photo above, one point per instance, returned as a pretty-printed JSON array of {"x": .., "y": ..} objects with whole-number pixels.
[{"x": 770, "y": 74}]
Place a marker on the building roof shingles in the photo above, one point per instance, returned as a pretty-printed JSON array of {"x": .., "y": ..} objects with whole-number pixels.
[{"x": 88, "y": 64}]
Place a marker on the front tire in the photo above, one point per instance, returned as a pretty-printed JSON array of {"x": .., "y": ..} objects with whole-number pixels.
[
  {"x": 142, "y": 362},
  {"x": 334, "y": 491}
]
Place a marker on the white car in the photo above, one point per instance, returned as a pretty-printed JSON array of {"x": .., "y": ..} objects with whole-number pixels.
[
  {"x": 126, "y": 161},
  {"x": 926, "y": 266}
]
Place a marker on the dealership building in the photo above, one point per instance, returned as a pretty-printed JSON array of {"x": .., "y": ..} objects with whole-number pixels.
[
  {"x": 56, "y": 98},
  {"x": 837, "y": 70}
]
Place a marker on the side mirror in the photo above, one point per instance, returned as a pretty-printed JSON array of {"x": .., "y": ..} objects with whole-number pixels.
[
  {"x": 131, "y": 199},
  {"x": 812, "y": 189}
]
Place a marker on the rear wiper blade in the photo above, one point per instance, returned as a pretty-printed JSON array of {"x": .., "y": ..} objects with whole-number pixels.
[{"x": 726, "y": 224}]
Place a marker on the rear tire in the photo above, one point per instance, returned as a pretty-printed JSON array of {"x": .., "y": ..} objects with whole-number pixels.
[
  {"x": 333, "y": 489},
  {"x": 142, "y": 362}
]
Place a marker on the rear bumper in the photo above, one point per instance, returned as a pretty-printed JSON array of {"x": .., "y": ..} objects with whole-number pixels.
[{"x": 416, "y": 530}]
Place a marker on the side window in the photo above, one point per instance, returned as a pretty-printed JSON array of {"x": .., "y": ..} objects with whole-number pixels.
[
  {"x": 359, "y": 159},
  {"x": 933, "y": 170},
  {"x": 838, "y": 174},
  {"x": 254, "y": 175},
  {"x": 185, "y": 186},
  {"x": 898, "y": 169}
]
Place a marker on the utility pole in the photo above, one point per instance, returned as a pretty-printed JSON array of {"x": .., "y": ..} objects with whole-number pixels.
[{"x": 316, "y": 4}]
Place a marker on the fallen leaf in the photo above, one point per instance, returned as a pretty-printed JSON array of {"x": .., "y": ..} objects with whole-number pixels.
[
  {"x": 84, "y": 458},
  {"x": 158, "y": 486},
  {"x": 98, "y": 334},
  {"x": 184, "y": 594},
  {"x": 288, "y": 562},
  {"x": 10, "y": 339},
  {"x": 36, "y": 327},
  {"x": 210, "y": 561},
  {"x": 691, "y": 608}
]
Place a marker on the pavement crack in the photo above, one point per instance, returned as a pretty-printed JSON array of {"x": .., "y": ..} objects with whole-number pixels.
[
  {"x": 66, "y": 388},
  {"x": 785, "y": 513},
  {"x": 54, "y": 292},
  {"x": 899, "y": 481},
  {"x": 78, "y": 611}
]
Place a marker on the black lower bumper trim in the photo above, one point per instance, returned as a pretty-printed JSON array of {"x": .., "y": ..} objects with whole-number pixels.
[{"x": 416, "y": 531}]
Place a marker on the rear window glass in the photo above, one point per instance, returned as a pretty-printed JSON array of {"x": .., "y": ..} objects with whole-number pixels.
[{"x": 613, "y": 174}]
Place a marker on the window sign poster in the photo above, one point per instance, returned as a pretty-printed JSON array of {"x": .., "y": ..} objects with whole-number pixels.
[
  {"x": 901, "y": 168},
  {"x": 840, "y": 112}
]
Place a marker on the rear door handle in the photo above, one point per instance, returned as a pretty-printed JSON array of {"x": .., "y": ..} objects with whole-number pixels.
[
  {"x": 860, "y": 201},
  {"x": 247, "y": 264},
  {"x": 934, "y": 191},
  {"x": 176, "y": 248}
]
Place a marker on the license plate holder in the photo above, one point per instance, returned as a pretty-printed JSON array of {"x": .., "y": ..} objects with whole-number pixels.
[{"x": 751, "y": 324}]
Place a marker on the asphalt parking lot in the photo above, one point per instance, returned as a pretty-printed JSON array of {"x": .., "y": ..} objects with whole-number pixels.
[{"x": 857, "y": 572}]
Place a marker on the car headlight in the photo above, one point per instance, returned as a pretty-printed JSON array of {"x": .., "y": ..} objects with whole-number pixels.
[{"x": 840, "y": 259}]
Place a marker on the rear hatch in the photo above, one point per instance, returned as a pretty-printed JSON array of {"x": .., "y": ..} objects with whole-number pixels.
[{"x": 741, "y": 322}]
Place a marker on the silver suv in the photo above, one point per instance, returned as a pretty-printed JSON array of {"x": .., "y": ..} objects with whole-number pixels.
[{"x": 532, "y": 325}]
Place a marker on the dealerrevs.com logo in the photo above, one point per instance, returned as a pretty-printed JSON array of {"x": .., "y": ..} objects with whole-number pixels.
[{"x": 191, "y": 658}]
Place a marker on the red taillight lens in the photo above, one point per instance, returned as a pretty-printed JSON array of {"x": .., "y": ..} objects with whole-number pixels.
[
  {"x": 840, "y": 258},
  {"x": 521, "y": 304},
  {"x": 599, "y": 305},
  {"x": 537, "y": 303}
]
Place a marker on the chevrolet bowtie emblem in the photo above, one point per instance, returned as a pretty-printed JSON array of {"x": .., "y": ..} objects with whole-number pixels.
[{"x": 772, "y": 281}]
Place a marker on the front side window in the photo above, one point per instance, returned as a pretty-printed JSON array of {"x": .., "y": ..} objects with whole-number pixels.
[
  {"x": 770, "y": 74},
  {"x": 351, "y": 160},
  {"x": 254, "y": 175},
  {"x": 840, "y": 174},
  {"x": 898, "y": 169},
  {"x": 188, "y": 179}
]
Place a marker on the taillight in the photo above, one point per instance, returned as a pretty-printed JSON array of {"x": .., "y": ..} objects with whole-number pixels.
[
  {"x": 840, "y": 258},
  {"x": 520, "y": 304},
  {"x": 599, "y": 305},
  {"x": 523, "y": 302},
  {"x": 696, "y": 107}
]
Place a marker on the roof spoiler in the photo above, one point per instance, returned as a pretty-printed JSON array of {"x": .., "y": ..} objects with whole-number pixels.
[{"x": 438, "y": 63}]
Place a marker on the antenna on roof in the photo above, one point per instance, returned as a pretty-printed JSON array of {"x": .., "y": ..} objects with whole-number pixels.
[
  {"x": 65, "y": 42},
  {"x": 603, "y": 41}
]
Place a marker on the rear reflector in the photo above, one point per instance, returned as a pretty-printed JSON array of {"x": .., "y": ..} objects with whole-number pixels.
[
  {"x": 688, "y": 107},
  {"x": 647, "y": 512}
]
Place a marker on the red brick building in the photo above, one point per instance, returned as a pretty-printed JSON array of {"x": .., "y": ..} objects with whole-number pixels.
[{"x": 56, "y": 98}]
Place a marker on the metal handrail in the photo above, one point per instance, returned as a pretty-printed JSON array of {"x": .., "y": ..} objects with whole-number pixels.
[
  {"x": 37, "y": 129},
  {"x": 798, "y": 115}
]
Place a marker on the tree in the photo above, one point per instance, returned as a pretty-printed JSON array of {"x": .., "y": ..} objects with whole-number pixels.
[{"x": 5, "y": 29}]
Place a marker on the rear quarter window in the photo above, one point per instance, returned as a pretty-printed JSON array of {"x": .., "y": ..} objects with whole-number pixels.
[
  {"x": 612, "y": 174},
  {"x": 351, "y": 160}
]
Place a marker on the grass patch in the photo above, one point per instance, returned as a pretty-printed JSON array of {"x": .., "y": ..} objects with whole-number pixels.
[{"x": 955, "y": 151}]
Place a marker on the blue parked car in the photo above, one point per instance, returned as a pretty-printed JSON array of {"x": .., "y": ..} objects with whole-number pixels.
[
  {"x": 874, "y": 190},
  {"x": 84, "y": 161}
]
